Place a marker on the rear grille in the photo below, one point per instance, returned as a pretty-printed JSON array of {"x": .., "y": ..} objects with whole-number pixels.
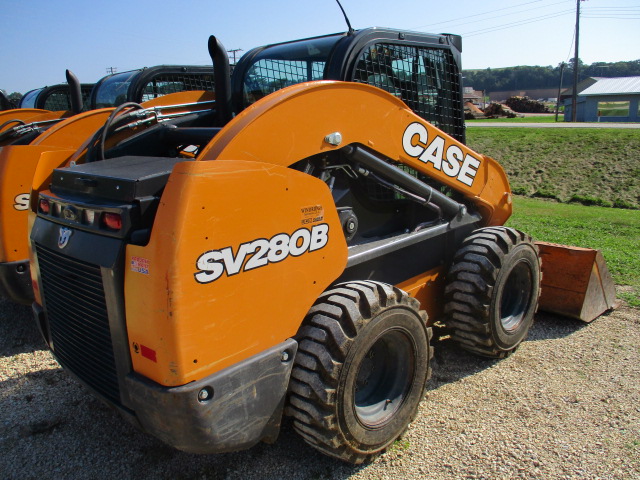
[{"x": 78, "y": 320}]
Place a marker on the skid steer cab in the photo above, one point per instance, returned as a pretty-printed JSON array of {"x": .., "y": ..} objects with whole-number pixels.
[
  {"x": 297, "y": 263},
  {"x": 42, "y": 108}
]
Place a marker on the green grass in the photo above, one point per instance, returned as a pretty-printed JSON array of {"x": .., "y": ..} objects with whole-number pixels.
[
  {"x": 401, "y": 444},
  {"x": 532, "y": 119},
  {"x": 615, "y": 232},
  {"x": 588, "y": 166}
]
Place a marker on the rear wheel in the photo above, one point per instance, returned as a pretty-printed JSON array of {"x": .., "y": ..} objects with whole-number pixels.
[
  {"x": 360, "y": 371},
  {"x": 492, "y": 291}
]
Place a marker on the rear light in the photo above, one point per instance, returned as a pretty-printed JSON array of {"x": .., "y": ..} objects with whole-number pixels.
[
  {"x": 89, "y": 216},
  {"x": 44, "y": 205},
  {"x": 112, "y": 221}
]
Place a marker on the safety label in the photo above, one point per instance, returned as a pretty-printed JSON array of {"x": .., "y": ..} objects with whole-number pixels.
[{"x": 140, "y": 265}]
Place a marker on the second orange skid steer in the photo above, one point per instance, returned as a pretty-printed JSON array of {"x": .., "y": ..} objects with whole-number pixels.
[
  {"x": 41, "y": 108},
  {"x": 166, "y": 94},
  {"x": 297, "y": 264},
  {"x": 56, "y": 147}
]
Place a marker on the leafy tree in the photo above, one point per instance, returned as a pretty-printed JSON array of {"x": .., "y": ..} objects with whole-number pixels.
[{"x": 527, "y": 77}]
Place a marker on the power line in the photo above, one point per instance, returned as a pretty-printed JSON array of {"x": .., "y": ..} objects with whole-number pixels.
[
  {"x": 612, "y": 8},
  {"x": 487, "y": 13},
  {"x": 503, "y": 15},
  {"x": 505, "y": 26},
  {"x": 625, "y": 17},
  {"x": 573, "y": 39}
]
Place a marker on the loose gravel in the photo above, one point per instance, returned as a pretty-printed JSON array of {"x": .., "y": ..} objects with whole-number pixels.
[{"x": 566, "y": 405}]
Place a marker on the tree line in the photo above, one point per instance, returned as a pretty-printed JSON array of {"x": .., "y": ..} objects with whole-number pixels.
[{"x": 527, "y": 78}]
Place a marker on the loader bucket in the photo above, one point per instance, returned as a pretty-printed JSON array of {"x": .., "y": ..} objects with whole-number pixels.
[{"x": 575, "y": 282}]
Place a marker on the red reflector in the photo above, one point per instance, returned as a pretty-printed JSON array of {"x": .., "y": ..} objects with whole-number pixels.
[
  {"x": 112, "y": 220},
  {"x": 44, "y": 205},
  {"x": 148, "y": 353}
]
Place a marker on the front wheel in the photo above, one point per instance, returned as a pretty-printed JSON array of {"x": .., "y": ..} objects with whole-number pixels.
[
  {"x": 360, "y": 371},
  {"x": 492, "y": 291}
]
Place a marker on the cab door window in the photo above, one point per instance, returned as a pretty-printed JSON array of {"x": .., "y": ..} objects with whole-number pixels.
[{"x": 425, "y": 78}]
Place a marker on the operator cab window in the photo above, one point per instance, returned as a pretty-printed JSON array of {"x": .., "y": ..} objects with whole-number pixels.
[
  {"x": 288, "y": 64},
  {"x": 165, "y": 84},
  {"x": 425, "y": 78},
  {"x": 29, "y": 99},
  {"x": 113, "y": 90},
  {"x": 57, "y": 101}
]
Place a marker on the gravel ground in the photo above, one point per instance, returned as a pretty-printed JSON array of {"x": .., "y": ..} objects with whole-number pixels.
[{"x": 566, "y": 405}]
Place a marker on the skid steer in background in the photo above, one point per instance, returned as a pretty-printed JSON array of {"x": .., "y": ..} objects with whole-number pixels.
[
  {"x": 298, "y": 263},
  {"x": 56, "y": 147},
  {"x": 61, "y": 97},
  {"x": 169, "y": 95},
  {"x": 42, "y": 108}
]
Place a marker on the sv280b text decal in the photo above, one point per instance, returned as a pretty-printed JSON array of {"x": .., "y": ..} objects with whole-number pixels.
[{"x": 260, "y": 252}]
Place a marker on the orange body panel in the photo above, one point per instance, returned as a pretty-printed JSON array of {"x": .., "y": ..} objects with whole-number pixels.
[
  {"x": 217, "y": 215},
  {"x": 189, "y": 96},
  {"x": 18, "y": 165},
  {"x": 428, "y": 289},
  {"x": 24, "y": 114},
  {"x": 15, "y": 187},
  {"x": 291, "y": 124},
  {"x": 70, "y": 132},
  {"x": 30, "y": 116}
]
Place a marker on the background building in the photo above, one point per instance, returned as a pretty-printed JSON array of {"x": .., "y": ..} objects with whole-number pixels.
[{"x": 607, "y": 100}]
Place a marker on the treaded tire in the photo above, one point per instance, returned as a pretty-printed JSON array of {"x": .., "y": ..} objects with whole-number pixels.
[
  {"x": 492, "y": 291},
  {"x": 361, "y": 369}
]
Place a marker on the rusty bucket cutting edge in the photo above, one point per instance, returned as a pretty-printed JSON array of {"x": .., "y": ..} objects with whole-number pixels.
[{"x": 575, "y": 282}]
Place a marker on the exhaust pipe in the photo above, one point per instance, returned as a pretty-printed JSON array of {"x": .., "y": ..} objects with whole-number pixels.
[
  {"x": 221, "y": 80},
  {"x": 75, "y": 92}
]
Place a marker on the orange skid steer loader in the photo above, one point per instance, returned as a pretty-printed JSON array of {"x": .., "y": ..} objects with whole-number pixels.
[
  {"x": 42, "y": 108},
  {"x": 169, "y": 95},
  {"x": 297, "y": 264}
]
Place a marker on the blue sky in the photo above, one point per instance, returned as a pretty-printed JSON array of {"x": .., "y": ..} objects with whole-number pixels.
[{"x": 42, "y": 38}]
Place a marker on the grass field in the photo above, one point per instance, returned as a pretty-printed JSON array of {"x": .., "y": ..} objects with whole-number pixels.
[
  {"x": 583, "y": 166},
  {"x": 588, "y": 166},
  {"x": 615, "y": 232}
]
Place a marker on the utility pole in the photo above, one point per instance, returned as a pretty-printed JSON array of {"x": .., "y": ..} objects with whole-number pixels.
[
  {"x": 234, "y": 51},
  {"x": 559, "y": 90},
  {"x": 111, "y": 70},
  {"x": 574, "y": 96}
]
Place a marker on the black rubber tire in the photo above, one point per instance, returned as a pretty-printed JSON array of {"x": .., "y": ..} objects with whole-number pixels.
[
  {"x": 492, "y": 291},
  {"x": 361, "y": 345}
]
